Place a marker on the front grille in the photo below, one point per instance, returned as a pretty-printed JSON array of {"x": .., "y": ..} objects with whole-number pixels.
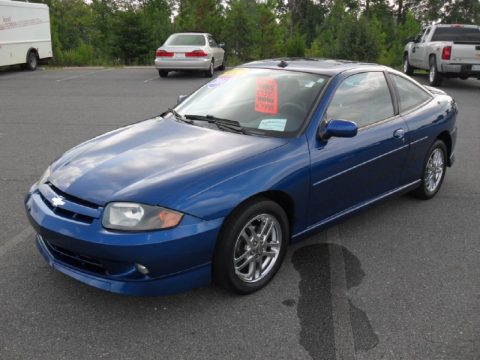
[
  {"x": 72, "y": 198},
  {"x": 79, "y": 261},
  {"x": 66, "y": 213}
]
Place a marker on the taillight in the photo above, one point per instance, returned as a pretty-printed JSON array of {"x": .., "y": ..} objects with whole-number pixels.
[
  {"x": 163, "y": 53},
  {"x": 446, "y": 53},
  {"x": 196, "y": 53}
]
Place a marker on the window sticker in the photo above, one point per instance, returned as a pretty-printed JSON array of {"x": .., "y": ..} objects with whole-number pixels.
[
  {"x": 273, "y": 124},
  {"x": 266, "y": 97}
]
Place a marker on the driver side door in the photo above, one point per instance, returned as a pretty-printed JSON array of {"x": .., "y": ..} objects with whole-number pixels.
[{"x": 348, "y": 173}]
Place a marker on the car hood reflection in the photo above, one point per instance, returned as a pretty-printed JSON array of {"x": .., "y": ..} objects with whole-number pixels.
[{"x": 160, "y": 154}]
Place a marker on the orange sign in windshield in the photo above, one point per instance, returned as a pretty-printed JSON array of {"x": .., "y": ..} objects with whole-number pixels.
[{"x": 266, "y": 98}]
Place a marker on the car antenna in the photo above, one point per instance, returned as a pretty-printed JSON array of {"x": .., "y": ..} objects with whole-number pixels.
[{"x": 282, "y": 64}]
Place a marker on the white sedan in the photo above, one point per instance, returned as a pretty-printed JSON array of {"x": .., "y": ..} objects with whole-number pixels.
[{"x": 190, "y": 51}]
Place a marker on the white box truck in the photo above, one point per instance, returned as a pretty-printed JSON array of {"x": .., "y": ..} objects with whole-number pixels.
[{"x": 24, "y": 34}]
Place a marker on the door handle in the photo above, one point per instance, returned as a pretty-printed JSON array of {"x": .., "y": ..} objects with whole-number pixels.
[{"x": 399, "y": 133}]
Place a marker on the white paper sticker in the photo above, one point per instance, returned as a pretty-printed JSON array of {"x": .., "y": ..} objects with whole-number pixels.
[{"x": 273, "y": 124}]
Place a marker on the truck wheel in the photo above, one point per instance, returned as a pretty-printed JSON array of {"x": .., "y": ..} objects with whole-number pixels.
[
  {"x": 434, "y": 76},
  {"x": 407, "y": 68},
  {"x": 32, "y": 61}
]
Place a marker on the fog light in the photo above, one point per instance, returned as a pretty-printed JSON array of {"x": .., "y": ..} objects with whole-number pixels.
[{"x": 142, "y": 269}]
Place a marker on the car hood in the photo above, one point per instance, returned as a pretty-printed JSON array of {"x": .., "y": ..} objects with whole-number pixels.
[{"x": 153, "y": 160}]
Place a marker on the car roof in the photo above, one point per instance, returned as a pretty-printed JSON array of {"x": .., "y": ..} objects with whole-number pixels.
[
  {"x": 313, "y": 65},
  {"x": 470, "y": 26},
  {"x": 191, "y": 33}
]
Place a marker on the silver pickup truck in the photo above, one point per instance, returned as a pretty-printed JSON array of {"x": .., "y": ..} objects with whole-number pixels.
[{"x": 445, "y": 51}]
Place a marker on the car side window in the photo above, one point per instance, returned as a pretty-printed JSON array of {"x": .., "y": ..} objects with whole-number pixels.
[
  {"x": 420, "y": 35},
  {"x": 410, "y": 94},
  {"x": 425, "y": 34},
  {"x": 212, "y": 42},
  {"x": 362, "y": 98}
]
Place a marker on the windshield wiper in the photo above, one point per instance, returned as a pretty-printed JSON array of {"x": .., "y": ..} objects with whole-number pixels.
[
  {"x": 224, "y": 124},
  {"x": 177, "y": 116}
]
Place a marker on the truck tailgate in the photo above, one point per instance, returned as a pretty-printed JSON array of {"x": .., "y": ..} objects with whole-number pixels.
[{"x": 466, "y": 53}]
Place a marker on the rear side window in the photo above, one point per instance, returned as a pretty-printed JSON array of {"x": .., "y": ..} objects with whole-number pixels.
[
  {"x": 457, "y": 34},
  {"x": 410, "y": 94},
  {"x": 186, "y": 40},
  {"x": 363, "y": 98}
]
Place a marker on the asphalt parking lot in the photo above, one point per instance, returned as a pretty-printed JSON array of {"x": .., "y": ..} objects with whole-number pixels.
[{"x": 399, "y": 281}]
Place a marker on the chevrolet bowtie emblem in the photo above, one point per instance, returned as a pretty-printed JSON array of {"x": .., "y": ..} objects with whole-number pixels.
[{"x": 57, "y": 201}]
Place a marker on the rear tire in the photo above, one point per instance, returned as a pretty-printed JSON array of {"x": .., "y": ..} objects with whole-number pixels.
[
  {"x": 32, "y": 61},
  {"x": 210, "y": 71},
  {"x": 222, "y": 67},
  {"x": 435, "y": 78},
  {"x": 407, "y": 68},
  {"x": 433, "y": 171},
  {"x": 163, "y": 73},
  {"x": 251, "y": 246}
]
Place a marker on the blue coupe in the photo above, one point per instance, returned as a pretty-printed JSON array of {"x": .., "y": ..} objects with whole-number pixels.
[{"x": 216, "y": 188}]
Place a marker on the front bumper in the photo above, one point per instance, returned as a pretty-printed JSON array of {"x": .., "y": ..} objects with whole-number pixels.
[
  {"x": 182, "y": 64},
  {"x": 178, "y": 259}
]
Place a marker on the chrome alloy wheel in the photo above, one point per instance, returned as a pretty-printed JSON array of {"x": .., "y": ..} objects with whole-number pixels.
[
  {"x": 257, "y": 248},
  {"x": 434, "y": 170},
  {"x": 405, "y": 64}
]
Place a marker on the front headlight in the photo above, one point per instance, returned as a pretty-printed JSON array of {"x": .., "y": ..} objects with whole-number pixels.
[
  {"x": 139, "y": 217},
  {"x": 44, "y": 177}
]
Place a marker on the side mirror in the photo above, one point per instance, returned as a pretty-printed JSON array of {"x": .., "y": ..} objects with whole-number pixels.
[
  {"x": 181, "y": 98},
  {"x": 337, "y": 128},
  {"x": 221, "y": 45}
]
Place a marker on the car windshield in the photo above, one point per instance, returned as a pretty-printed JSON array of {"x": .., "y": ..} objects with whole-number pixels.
[
  {"x": 186, "y": 40},
  {"x": 457, "y": 34},
  {"x": 270, "y": 102}
]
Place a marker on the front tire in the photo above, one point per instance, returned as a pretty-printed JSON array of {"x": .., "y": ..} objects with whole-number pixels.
[
  {"x": 433, "y": 171},
  {"x": 435, "y": 78},
  {"x": 251, "y": 246},
  {"x": 407, "y": 68}
]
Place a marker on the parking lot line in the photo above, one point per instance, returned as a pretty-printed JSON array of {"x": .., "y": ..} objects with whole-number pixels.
[
  {"x": 17, "y": 239},
  {"x": 342, "y": 326},
  {"x": 82, "y": 75}
]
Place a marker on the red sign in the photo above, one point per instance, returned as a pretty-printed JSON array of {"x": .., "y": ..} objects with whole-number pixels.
[{"x": 266, "y": 98}]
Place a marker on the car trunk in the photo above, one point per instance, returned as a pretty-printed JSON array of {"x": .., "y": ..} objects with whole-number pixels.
[{"x": 180, "y": 50}]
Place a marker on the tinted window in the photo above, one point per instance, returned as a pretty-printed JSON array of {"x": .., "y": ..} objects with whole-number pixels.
[
  {"x": 410, "y": 95},
  {"x": 456, "y": 34},
  {"x": 362, "y": 98},
  {"x": 186, "y": 40}
]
